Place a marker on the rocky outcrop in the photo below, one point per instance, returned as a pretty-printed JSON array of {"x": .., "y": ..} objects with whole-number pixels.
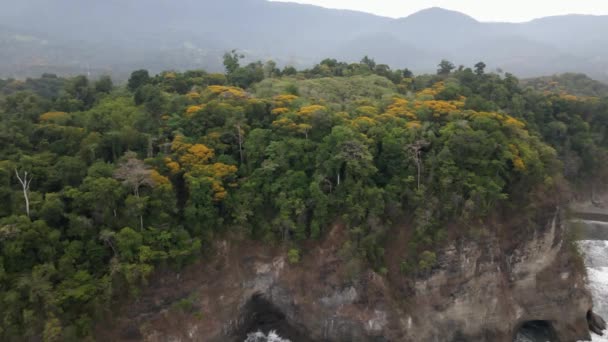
[
  {"x": 596, "y": 323},
  {"x": 482, "y": 290},
  {"x": 485, "y": 293}
]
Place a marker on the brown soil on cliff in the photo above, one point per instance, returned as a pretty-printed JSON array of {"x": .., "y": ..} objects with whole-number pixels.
[
  {"x": 329, "y": 285},
  {"x": 160, "y": 299},
  {"x": 166, "y": 288}
]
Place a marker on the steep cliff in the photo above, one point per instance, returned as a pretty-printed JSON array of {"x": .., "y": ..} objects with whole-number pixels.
[{"x": 479, "y": 291}]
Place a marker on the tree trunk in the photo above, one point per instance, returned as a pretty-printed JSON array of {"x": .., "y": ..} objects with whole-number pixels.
[
  {"x": 92, "y": 149},
  {"x": 330, "y": 185},
  {"x": 27, "y": 202},
  {"x": 141, "y": 218},
  {"x": 112, "y": 246},
  {"x": 418, "y": 165},
  {"x": 150, "y": 148},
  {"x": 238, "y": 128},
  {"x": 25, "y": 184},
  {"x": 416, "y": 154}
]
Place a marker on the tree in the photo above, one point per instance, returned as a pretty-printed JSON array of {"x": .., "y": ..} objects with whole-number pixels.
[
  {"x": 480, "y": 68},
  {"x": 445, "y": 68},
  {"x": 52, "y": 330},
  {"x": 128, "y": 242},
  {"x": 52, "y": 210},
  {"x": 371, "y": 64},
  {"x": 151, "y": 97},
  {"x": 344, "y": 154},
  {"x": 246, "y": 76},
  {"x": 104, "y": 84},
  {"x": 108, "y": 237},
  {"x": 99, "y": 198},
  {"x": 138, "y": 78},
  {"x": 271, "y": 70},
  {"x": 25, "y": 185},
  {"x": 289, "y": 71},
  {"x": 415, "y": 150},
  {"x": 239, "y": 132},
  {"x": 236, "y": 122},
  {"x": 231, "y": 61},
  {"x": 135, "y": 174},
  {"x": 407, "y": 73},
  {"x": 80, "y": 90}
]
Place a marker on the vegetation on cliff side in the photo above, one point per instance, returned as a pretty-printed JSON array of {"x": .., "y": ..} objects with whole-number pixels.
[{"x": 102, "y": 184}]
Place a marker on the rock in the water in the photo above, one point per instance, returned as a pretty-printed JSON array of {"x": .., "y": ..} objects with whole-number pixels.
[{"x": 596, "y": 323}]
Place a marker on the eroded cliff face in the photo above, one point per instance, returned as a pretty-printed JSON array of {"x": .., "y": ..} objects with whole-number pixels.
[
  {"x": 479, "y": 291},
  {"x": 483, "y": 292}
]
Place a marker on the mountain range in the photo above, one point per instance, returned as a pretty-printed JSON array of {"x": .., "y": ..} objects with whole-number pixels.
[{"x": 116, "y": 36}]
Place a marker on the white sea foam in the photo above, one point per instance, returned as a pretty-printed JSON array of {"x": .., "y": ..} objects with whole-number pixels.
[
  {"x": 261, "y": 337},
  {"x": 596, "y": 260}
]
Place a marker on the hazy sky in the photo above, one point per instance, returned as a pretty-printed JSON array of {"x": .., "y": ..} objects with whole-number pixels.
[{"x": 484, "y": 10}]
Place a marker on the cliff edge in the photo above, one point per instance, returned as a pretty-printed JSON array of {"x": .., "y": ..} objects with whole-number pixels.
[{"x": 478, "y": 291}]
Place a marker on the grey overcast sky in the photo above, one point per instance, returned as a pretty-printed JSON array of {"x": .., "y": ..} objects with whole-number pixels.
[{"x": 483, "y": 10}]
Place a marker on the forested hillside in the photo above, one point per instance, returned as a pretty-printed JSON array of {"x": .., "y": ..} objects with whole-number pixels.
[
  {"x": 569, "y": 83},
  {"x": 101, "y": 185}
]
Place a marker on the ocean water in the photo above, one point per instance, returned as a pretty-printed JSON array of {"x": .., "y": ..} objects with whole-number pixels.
[
  {"x": 522, "y": 337},
  {"x": 261, "y": 337},
  {"x": 596, "y": 260}
]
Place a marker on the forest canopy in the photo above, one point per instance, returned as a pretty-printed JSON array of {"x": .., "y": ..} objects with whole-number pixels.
[{"x": 103, "y": 184}]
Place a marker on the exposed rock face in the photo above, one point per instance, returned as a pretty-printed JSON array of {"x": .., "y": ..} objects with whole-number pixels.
[
  {"x": 596, "y": 323},
  {"x": 480, "y": 291},
  {"x": 483, "y": 293}
]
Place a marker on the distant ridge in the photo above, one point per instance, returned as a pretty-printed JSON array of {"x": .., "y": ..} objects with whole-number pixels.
[
  {"x": 121, "y": 35},
  {"x": 438, "y": 13},
  {"x": 568, "y": 83}
]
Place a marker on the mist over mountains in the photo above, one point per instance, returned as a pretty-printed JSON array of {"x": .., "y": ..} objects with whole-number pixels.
[{"x": 117, "y": 36}]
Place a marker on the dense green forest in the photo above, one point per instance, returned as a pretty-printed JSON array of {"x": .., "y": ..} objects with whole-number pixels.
[
  {"x": 101, "y": 184},
  {"x": 568, "y": 83}
]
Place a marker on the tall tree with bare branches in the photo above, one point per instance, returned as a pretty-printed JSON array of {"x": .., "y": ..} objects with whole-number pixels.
[
  {"x": 135, "y": 174},
  {"x": 25, "y": 184},
  {"x": 415, "y": 149}
]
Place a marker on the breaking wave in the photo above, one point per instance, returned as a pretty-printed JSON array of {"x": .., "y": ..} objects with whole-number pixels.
[
  {"x": 261, "y": 337},
  {"x": 596, "y": 260}
]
